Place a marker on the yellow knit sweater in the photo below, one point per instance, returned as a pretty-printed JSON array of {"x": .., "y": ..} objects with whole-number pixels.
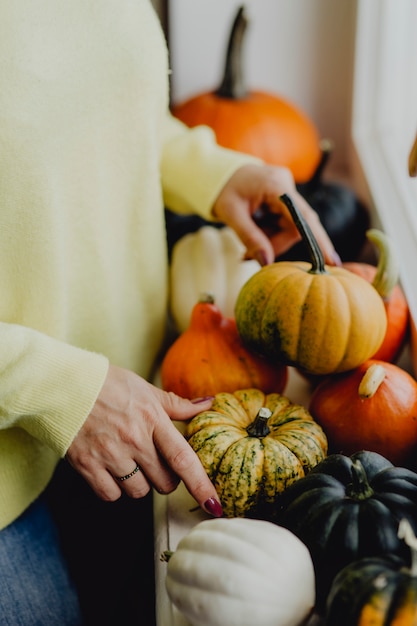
[{"x": 88, "y": 159}]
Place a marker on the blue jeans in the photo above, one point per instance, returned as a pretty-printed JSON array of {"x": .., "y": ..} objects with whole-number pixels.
[
  {"x": 35, "y": 588},
  {"x": 109, "y": 549}
]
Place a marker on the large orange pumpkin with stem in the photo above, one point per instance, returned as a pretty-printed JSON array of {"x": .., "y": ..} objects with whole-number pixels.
[{"x": 255, "y": 122}]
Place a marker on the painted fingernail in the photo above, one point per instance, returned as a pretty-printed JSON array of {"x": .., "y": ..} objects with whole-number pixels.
[
  {"x": 260, "y": 256},
  {"x": 213, "y": 507},
  {"x": 204, "y": 399},
  {"x": 336, "y": 258}
]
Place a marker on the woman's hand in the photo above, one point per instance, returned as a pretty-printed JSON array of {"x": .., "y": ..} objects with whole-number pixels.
[
  {"x": 129, "y": 426},
  {"x": 253, "y": 187}
]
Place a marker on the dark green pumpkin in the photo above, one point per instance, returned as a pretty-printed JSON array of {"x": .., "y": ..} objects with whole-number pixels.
[
  {"x": 348, "y": 508},
  {"x": 344, "y": 216},
  {"x": 375, "y": 590}
]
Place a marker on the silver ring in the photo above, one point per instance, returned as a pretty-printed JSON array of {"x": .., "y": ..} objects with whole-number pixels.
[{"x": 121, "y": 478}]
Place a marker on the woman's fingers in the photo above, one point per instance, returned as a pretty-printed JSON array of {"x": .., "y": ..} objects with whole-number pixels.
[
  {"x": 253, "y": 187},
  {"x": 129, "y": 443}
]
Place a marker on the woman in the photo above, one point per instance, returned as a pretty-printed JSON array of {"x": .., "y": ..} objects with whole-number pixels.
[{"x": 89, "y": 158}]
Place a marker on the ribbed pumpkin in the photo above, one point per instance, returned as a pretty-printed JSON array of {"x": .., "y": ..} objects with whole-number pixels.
[
  {"x": 207, "y": 261},
  {"x": 253, "y": 121},
  {"x": 253, "y": 446},
  {"x": 209, "y": 357},
  {"x": 241, "y": 572},
  {"x": 372, "y": 407},
  {"x": 376, "y": 591},
  {"x": 384, "y": 277},
  {"x": 318, "y": 318},
  {"x": 348, "y": 508}
]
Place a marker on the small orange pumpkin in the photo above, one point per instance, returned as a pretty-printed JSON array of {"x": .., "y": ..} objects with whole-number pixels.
[
  {"x": 255, "y": 122},
  {"x": 372, "y": 407},
  {"x": 384, "y": 277},
  {"x": 209, "y": 358}
]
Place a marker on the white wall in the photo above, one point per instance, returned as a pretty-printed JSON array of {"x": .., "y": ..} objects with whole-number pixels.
[{"x": 300, "y": 49}]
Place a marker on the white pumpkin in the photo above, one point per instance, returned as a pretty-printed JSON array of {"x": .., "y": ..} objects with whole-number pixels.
[
  {"x": 241, "y": 572},
  {"x": 209, "y": 260}
]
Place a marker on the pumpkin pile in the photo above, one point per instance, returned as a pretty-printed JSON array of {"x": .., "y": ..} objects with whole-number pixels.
[{"x": 336, "y": 480}]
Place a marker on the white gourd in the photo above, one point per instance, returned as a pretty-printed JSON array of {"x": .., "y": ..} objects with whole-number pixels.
[
  {"x": 241, "y": 572},
  {"x": 209, "y": 260}
]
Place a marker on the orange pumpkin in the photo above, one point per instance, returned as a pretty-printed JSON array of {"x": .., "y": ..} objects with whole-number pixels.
[
  {"x": 255, "y": 122},
  {"x": 384, "y": 278},
  {"x": 209, "y": 358},
  {"x": 372, "y": 407}
]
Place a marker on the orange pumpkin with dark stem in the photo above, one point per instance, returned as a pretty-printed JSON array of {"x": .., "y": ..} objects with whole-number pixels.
[
  {"x": 372, "y": 407},
  {"x": 254, "y": 122},
  {"x": 209, "y": 358}
]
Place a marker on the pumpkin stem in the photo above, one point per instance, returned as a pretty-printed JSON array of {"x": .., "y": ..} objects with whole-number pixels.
[
  {"x": 405, "y": 531},
  {"x": 359, "y": 488},
  {"x": 166, "y": 555},
  {"x": 259, "y": 427},
  {"x": 233, "y": 83},
  {"x": 412, "y": 159},
  {"x": 387, "y": 273},
  {"x": 206, "y": 298},
  {"x": 371, "y": 381},
  {"x": 326, "y": 147},
  {"x": 316, "y": 255}
]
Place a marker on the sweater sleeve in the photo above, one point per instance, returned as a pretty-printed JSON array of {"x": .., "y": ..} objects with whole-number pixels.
[
  {"x": 48, "y": 387},
  {"x": 194, "y": 168}
]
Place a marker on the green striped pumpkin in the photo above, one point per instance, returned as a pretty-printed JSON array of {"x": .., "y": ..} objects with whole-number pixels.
[{"x": 253, "y": 446}]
